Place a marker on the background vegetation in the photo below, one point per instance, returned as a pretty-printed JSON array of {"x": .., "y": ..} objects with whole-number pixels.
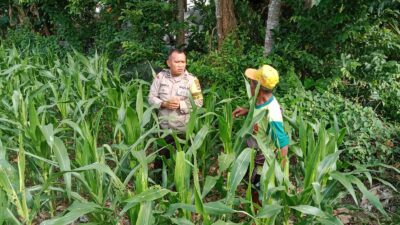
[{"x": 73, "y": 81}]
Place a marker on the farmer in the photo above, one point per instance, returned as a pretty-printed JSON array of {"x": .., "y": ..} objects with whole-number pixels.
[
  {"x": 170, "y": 93},
  {"x": 272, "y": 124}
]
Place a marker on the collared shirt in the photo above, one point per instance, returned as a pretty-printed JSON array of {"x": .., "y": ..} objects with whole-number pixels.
[{"x": 164, "y": 87}]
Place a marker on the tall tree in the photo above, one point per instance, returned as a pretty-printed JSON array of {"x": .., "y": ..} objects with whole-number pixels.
[
  {"x": 226, "y": 20},
  {"x": 274, "y": 11},
  {"x": 180, "y": 38}
]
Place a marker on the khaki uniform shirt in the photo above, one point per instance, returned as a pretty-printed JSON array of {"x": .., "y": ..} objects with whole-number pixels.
[{"x": 164, "y": 87}]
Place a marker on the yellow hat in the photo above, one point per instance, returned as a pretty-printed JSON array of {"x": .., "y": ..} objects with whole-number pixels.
[{"x": 266, "y": 75}]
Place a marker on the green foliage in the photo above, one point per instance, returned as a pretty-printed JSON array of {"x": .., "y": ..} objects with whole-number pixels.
[
  {"x": 227, "y": 66},
  {"x": 145, "y": 23},
  {"x": 86, "y": 139},
  {"x": 23, "y": 39},
  {"x": 376, "y": 83},
  {"x": 348, "y": 47},
  {"x": 77, "y": 113},
  {"x": 251, "y": 22},
  {"x": 368, "y": 138},
  {"x": 201, "y": 26},
  {"x": 59, "y": 20}
]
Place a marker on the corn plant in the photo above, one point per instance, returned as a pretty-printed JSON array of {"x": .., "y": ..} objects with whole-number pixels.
[
  {"x": 317, "y": 183},
  {"x": 76, "y": 142}
]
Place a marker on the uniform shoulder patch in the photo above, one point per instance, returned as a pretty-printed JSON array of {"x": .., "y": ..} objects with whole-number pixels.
[
  {"x": 161, "y": 74},
  {"x": 195, "y": 89},
  {"x": 197, "y": 83}
]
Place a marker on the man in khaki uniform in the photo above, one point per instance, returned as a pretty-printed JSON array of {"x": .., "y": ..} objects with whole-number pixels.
[{"x": 170, "y": 92}]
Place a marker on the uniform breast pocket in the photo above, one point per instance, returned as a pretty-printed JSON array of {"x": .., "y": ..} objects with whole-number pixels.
[
  {"x": 164, "y": 92},
  {"x": 182, "y": 91}
]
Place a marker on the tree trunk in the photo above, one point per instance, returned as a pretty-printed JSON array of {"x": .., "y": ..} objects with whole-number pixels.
[
  {"x": 180, "y": 38},
  {"x": 274, "y": 11},
  {"x": 226, "y": 20},
  {"x": 308, "y": 4},
  {"x": 219, "y": 19}
]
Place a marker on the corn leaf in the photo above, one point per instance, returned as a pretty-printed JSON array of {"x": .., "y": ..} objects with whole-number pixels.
[
  {"x": 212, "y": 208},
  {"x": 2, "y": 151},
  {"x": 181, "y": 175},
  {"x": 48, "y": 133},
  {"x": 346, "y": 182},
  {"x": 62, "y": 157},
  {"x": 373, "y": 199},
  {"x": 311, "y": 166},
  {"x": 327, "y": 164},
  {"x": 197, "y": 193},
  {"x": 239, "y": 169},
  {"x": 147, "y": 195},
  {"x": 181, "y": 221},
  {"x": 269, "y": 211},
  {"x": 218, "y": 208},
  {"x": 303, "y": 136},
  {"x": 225, "y": 160},
  {"x": 145, "y": 213},
  {"x": 103, "y": 169},
  {"x": 74, "y": 126},
  {"x": 198, "y": 140},
  {"x": 330, "y": 220},
  {"x": 11, "y": 70},
  {"x": 7, "y": 216},
  {"x": 220, "y": 222},
  {"x": 76, "y": 210},
  {"x": 388, "y": 167},
  {"x": 386, "y": 183},
  {"x": 33, "y": 119},
  {"x": 139, "y": 104},
  {"x": 309, "y": 210},
  {"x": 147, "y": 116},
  {"x": 8, "y": 177},
  {"x": 209, "y": 185},
  {"x": 131, "y": 124}
]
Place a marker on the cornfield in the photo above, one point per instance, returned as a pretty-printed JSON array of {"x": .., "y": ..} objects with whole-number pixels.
[{"x": 78, "y": 145}]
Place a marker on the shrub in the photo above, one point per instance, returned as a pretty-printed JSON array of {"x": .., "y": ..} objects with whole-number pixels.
[
  {"x": 226, "y": 68},
  {"x": 25, "y": 40},
  {"x": 369, "y": 138}
]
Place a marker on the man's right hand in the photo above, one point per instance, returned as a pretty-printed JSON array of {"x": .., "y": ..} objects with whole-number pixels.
[
  {"x": 171, "y": 104},
  {"x": 239, "y": 111}
]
